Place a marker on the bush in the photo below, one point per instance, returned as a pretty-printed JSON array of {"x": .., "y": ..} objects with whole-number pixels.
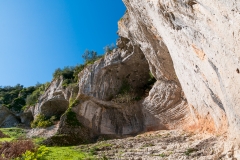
[
  {"x": 32, "y": 99},
  {"x": 39, "y": 154},
  {"x": 109, "y": 48},
  {"x": 42, "y": 122},
  {"x": 66, "y": 72},
  {"x": 14, "y": 149},
  {"x": 14, "y": 98},
  {"x": 125, "y": 87},
  {"x": 2, "y": 135},
  {"x": 89, "y": 55},
  {"x": 71, "y": 118},
  {"x": 77, "y": 70}
]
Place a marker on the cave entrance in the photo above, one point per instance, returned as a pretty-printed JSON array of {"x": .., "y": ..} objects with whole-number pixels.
[{"x": 54, "y": 107}]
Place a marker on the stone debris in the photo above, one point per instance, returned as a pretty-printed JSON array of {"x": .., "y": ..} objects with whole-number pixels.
[{"x": 165, "y": 144}]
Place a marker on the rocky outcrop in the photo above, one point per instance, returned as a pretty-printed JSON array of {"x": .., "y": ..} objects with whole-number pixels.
[
  {"x": 126, "y": 64},
  {"x": 185, "y": 46},
  {"x": 109, "y": 118},
  {"x": 166, "y": 100},
  {"x": 54, "y": 101},
  {"x": 7, "y": 118},
  {"x": 200, "y": 40},
  {"x": 110, "y": 96}
]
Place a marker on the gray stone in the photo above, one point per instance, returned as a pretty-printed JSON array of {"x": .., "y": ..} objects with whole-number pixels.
[{"x": 7, "y": 118}]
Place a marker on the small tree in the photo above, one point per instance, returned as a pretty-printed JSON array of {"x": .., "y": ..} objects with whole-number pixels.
[
  {"x": 109, "y": 48},
  {"x": 89, "y": 55},
  {"x": 57, "y": 72}
]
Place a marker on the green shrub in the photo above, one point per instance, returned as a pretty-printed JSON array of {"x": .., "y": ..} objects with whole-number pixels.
[
  {"x": 42, "y": 122},
  {"x": 189, "y": 151},
  {"x": 77, "y": 70},
  {"x": 15, "y": 98},
  {"x": 32, "y": 99},
  {"x": 71, "y": 118},
  {"x": 39, "y": 154},
  {"x": 125, "y": 87},
  {"x": 14, "y": 149},
  {"x": 67, "y": 82},
  {"x": 73, "y": 103}
]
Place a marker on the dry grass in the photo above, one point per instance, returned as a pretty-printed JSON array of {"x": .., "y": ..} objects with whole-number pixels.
[
  {"x": 13, "y": 149},
  {"x": 2, "y": 135}
]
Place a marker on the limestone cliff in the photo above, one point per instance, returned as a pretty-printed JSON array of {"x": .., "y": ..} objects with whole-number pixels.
[
  {"x": 199, "y": 41},
  {"x": 109, "y": 95},
  {"x": 190, "y": 47}
]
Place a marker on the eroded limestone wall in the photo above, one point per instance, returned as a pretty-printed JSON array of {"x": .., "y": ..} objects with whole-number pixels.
[{"x": 202, "y": 38}]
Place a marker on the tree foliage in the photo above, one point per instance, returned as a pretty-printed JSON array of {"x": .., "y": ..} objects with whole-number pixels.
[
  {"x": 109, "y": 48},
  {"x": 16, "y": 97},
  {"x": 89, "y": 55}
]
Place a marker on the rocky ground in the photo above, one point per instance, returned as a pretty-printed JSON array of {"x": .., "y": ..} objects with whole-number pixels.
[
  {"x": 165, "y": 144},
  {"x": 42, "y": 132}
]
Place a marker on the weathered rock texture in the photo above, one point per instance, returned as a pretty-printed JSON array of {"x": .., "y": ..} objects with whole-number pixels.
[
  {"x": 54, "y": 101},
  {"x": 102, "y": 110},
  {"x": 190, "y": 47},
  {"x": 7, "y": 118},
  {"x": 200, "y": 38}
]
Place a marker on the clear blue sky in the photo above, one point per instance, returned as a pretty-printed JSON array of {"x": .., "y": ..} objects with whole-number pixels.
[{"x": 38, "y": 36}]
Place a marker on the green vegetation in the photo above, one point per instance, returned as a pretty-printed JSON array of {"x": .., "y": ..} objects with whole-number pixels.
[
  {"x": 109, "y": 48},
  {"x": 148, "y": 145},
  {"x": 14, "y": 97},
  {"x": 162, "y": 155},
  {"x": 70, "y": 74},
  {"x": 17, "y": 98},
  {"x": 125, "y": 88},
  {"x": 73, "y": 102},
  {"x": 151, "y": 81},
  {"x": 23, "y": 149},
  {"x": 67, "y": 153},
  {"x": 39, "y": 153},
  {"x": 42, "y": 122},
  {"x": 71, "y": 117},
  {"x": 12, "y": 133},
  {"x": 33, "y": 98},
  {"x": 189, "y": 151},
  {"x": 90, "y": 57},
  {"x": 126, "y": 94}
]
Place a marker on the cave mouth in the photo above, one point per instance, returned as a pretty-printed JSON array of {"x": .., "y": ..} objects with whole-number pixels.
[
  {"x": 133, "y": 77},
  {"x": 54, "y": 107}
]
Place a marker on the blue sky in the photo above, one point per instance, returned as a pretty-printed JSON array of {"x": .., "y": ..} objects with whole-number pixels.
[{"x": 38, "y": 36}]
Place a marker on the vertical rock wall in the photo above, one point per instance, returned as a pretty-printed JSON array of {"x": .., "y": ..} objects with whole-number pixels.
[{"x": 202, "y": 38}]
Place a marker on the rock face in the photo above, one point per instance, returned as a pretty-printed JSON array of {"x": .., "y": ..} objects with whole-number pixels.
[
  {"x": 190, "y": 47},
  {"x": 200, "y": 39},
  {"x": 101, "y": 82},
  {"x": 54, "y": 102},
  {"x": 166, "y": 100},
  {"x": 103, "y": 79},
  {"x": 110, "y": 96},
  {"x": 7, "y": 119}
]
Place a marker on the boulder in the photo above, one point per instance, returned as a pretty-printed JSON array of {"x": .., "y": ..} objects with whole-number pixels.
[{"x": 7, "y": 118}]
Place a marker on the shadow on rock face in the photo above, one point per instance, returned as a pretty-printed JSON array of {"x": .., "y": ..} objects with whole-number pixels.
[{"x": 54, "y": 107}]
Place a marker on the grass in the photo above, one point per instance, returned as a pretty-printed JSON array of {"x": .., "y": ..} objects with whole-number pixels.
[
  {"x": 99, "y": 147},
  {"x": 13, "y": 133},
  {"x": 148, "y": 145},
  {"x": 189, "y": 151},
  {"x": 38, "y": 140},
  {"x": 55, "y": 153},
  {"x": 67, "y": 153},
  {"x": 162, "y": 155}
]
